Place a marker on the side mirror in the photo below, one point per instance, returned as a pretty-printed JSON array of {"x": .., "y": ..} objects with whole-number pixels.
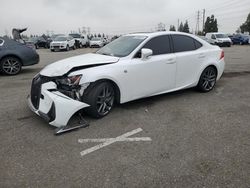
[{"x": 145, "y": 53}]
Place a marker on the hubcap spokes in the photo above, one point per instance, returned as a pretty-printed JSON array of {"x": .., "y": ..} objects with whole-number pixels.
[
  {"x": 209, "y": 79},
  {"x": 11, "y": 66},
  {"x": 105, "y": 101}
]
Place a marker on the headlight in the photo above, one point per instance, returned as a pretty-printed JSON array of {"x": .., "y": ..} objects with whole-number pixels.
[{"x": 71, "y": 81}]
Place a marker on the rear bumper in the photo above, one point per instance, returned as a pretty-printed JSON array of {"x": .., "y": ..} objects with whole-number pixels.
[
  {"x": 220, "y": 68},
  {"x": 55, "y": 107},
  {"x": 32, "y": 61}
]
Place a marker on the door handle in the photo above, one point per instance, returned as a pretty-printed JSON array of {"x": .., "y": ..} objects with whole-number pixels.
[
  {"x": 202, "y": 55},
  {"x": 170, "y": 61}
]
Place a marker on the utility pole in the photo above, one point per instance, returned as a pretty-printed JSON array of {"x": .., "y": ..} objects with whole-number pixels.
[
  {"x": 198, "y": 23},
  {"x": 178, "y": 25},
  {"x": 204, "y": 14}
]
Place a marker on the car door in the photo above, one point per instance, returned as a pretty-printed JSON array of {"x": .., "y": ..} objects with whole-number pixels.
[
  {"x": 188, "y": 58},
  {"x": 156, "y": 74}
]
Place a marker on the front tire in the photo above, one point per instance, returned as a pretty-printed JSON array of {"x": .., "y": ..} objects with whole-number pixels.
[
  {"x": 101, "y": 100},
  {"x": 207, "y": 79},
  {"x": 10, "y": 65}
]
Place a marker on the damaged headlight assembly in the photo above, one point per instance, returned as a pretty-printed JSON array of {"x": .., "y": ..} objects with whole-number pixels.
[
  {"x": 70, "y": 81},
  {"x": 70, "y": 86}
]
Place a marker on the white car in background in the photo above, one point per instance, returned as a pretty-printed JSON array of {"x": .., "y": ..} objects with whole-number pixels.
[
  {"x": 96, "y": 42},
  {"x": 80, "y": 39},
  {"x": 219, "y": 39},
  {"x": 131, "y": 67},
  {"x": 62, "y": 43}
]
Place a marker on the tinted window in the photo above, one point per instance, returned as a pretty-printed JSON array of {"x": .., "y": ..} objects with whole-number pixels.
[
  {"x": 197, "y": 44},
  {"x": 183, "y": 43},
  {"x": 159, "y": 45},
  {"x": 75, "y": 35}
]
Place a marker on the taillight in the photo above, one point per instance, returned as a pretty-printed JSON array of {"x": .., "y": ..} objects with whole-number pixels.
[{"x": 222, "y": 55}]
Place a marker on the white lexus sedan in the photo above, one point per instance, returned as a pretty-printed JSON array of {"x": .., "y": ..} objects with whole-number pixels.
[{"x": 131, "y": 67}]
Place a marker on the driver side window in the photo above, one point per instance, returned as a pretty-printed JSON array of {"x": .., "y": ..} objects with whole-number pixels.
[{"x": 159, "y": 45}]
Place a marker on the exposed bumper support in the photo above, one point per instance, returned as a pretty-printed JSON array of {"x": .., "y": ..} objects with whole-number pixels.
[{"x": 57, "y": 108}]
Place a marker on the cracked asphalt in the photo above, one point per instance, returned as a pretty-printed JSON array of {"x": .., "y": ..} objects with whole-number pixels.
[{"x": 198, "y": 140}]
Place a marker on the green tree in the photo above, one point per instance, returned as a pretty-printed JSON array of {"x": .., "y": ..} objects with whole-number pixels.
[
  {"x": 245, "y": 27},
  {"x": 181, "y": 27},
  {"x": 211, "y": 25},
  {"x": 172, "y": 28},
  {"x": 186, "y": 27}
]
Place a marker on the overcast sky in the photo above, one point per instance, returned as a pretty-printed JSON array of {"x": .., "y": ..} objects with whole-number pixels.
[{"x": 116, "y": 16}]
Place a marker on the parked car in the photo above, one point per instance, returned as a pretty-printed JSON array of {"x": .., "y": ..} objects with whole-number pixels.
[
  {"x": 204, "y": 38},
  {"x": 96, "y": 42},
  {"x": 80, "y": 40},
  {"x": 62, "y": 43},
  {"x": 14, "y": 55},
  {"x": 219, "y": 39},
  {"x": 39, "y": 42},
  {"x": 106, "y": 40},
  {"x": 131, "y": 67},
  {"x": 239, "y": 39}
]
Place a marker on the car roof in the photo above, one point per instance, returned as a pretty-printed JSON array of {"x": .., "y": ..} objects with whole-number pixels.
[{"x": 153, "y": 34}]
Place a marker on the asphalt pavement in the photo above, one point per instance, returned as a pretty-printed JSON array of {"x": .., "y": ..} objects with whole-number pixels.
[{"x": 181, "y": 139}]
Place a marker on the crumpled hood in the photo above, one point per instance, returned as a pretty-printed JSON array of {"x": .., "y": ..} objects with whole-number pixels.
[{"x": 61, "y": 67}]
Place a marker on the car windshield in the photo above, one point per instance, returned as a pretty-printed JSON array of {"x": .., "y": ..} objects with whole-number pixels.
[
  {"x": 220, "y": 36},
  {"x": 122, "y": 46},
  {"x": 60, "y": 38},
  {"x": 54, "y": 36},
  {"x": 95, "y": 39},
  {"x": 75, "y": 35}
]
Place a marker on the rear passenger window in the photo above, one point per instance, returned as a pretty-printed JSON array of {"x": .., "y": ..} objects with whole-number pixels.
[
  {"x": 183, "y": 43},
  {"x": 197, "y": 44},
  {"x": 159, "y": 45}
]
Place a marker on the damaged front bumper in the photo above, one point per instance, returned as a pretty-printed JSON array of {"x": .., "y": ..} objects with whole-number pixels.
[{"x": 50, "y": 104}]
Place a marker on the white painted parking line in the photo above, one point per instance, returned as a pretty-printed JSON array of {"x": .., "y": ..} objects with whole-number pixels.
[{"x": 108, "y": 141}]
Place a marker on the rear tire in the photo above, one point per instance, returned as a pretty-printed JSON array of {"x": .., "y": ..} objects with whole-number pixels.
[
  {"x": 207, "y": 79},
  {"x": 101, "y": 100}
]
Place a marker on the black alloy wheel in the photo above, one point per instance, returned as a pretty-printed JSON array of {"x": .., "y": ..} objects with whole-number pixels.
[
  {"x": 101, "y": 99},
  {"x": 208, "y": 79},
  {"x": 10, "y": 66}
]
